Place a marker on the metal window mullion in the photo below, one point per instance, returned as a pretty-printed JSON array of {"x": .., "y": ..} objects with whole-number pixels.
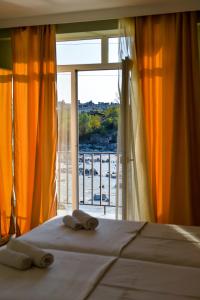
[
  {"x": 124, "y": 112},
  {"x": 83, "y": 178},
  {"x": 89, "y": 35},
  {"x": 67, "y": 177},
  {"x": 59, "y": 176},
  {"x": 100, "y": 180},
  {"x": 88, "y": 67},
  {"x": 92, "y": 179},
  {"x": 74, "y": 140},
  {"x": 109, "y": 169},
  {"x": 104, "y": 50}
]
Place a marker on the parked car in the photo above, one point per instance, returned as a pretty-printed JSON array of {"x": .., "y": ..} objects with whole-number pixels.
[
  {"x": 113, "y": 175},
  {"x": 103, "y": 197},
  {"x": 88, "y": 172}
]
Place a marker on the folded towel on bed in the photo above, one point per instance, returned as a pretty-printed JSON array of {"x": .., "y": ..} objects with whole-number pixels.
[
  {"x": 88, "y": 222},
  {"x": 15, "y": 259},
  {"x": 40, "y": 258},
  {"x": 72, "y": 222}
]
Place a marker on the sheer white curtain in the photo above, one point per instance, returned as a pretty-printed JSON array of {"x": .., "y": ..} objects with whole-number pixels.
[
  {"x": 133, "y": 187},
  {"x": 67, "y": 183},
  {"x": 64, "y": 161}
]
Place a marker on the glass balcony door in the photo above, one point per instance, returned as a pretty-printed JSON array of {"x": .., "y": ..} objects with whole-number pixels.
[
  {"x": 87, "y": 82},
  {"x": 98, "y": 112},
  {"x": 87, "y": 148}
]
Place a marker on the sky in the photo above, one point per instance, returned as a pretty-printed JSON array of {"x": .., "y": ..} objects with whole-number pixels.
[{"x": 92, "y": 85}]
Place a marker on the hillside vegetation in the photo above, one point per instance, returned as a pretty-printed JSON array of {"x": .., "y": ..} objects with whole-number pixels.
[
  {"x": 95, "y": 127},
  {"x": 104, "y": 123}
]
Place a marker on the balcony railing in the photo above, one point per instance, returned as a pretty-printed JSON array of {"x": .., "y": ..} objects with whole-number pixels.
[{"x": 97, "y": 179}]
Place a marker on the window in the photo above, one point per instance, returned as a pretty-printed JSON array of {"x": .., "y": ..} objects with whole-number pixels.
[
  {"x": 113, "y": 44},
  {"x": 79, "y": 52},
  {"x": 88, "y": 108}
]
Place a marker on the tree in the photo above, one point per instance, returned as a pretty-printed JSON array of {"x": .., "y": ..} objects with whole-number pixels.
[
  {"x": 95, "y": 122},
  {"x": 84, "y": 123}
]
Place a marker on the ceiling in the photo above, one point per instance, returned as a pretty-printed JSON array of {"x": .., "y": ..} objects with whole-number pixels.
[
  {"x": 21, "y": 12},
  {"x": 24, "y": 8}
]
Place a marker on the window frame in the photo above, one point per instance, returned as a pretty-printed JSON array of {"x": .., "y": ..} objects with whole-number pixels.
[{"x": 74, "y": 69}]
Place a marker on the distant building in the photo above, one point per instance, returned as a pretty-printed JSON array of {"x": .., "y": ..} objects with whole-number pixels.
[{"x": 91, "y": 106}]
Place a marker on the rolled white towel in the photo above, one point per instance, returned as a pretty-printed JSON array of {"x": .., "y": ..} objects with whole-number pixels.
[
  {"x": 72, "y": 222},
  {"x": 15, "y": 259},
  {"x": 88, "y": 222},
  {"x": 40, "y": 258}
]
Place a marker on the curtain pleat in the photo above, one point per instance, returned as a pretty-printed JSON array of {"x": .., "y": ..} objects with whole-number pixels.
[
  {"x": 167, "y": 55},
  {"x": 186, "y": 139},
  {"x": 155, "y": 40},
  {"x": 35, "y": 124},
  {"x": 6, "y": 180}
]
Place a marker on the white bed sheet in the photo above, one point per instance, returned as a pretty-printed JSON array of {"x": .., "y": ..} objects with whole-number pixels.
[
  {"x": 172, "y": 232},
  {"x": 153, "y": 267},
  {"x": 107, "y": 292},
  {"x": 154, "y": 278},
  {"x": 177, "y": 252},
  {"x": 71, "y": 276},
  {"x": 109, "y": 238}
]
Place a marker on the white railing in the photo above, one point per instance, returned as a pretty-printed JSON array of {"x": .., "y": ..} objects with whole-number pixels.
[{"x": 97, "y": 179}]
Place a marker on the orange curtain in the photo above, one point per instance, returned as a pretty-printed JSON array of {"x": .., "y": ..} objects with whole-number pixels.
[
  {"x": 35, "y": 124},
  {"x": 167, "y": 53},
  {"x": 5, "y": 151}
]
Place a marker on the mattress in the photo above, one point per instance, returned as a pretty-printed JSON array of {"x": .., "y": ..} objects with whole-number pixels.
[
  {"x": 119, "y": 293},
  {"x": 109, "y": 238},
  {"x": 71, "y": 276},
  {"x": 172, "y": 232},
  {"x": 120, "y": 260},
  {"x": 171, "y": 244},
  {"x": 156, "y": 278},
  {"x": 165, "y": 251}
]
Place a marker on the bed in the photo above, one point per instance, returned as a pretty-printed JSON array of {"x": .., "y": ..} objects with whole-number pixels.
[{"x": 119, "y": 260}]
